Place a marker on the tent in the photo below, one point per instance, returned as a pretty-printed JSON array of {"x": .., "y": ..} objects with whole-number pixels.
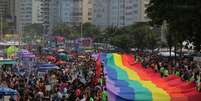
[
  {"x": 7, "y": 62},
  {"x": 4, "y": 91},
  {"x": 46, "y": 67},
  {"x": 25, "y": 54},
  {"x": 11, "y": 50}
]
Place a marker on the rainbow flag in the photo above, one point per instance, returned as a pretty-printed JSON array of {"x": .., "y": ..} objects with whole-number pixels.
[{"x": 127, "y": 81}]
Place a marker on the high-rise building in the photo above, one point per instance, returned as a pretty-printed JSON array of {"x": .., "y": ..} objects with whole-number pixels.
[
  {"x": 76, "y": 15},
  {"x": 23, "y": 13},
  {"x": 87, "y": 10},
  {"x": 7, "y": 14},
  {"x": 32, "y": 11},
  {"x": 72, "y": 12},
  {"x": 52, "y": 12},
  {"x": 116, "y": 12},
  {"x": 60, "y": 11},
  {"x": 143, "y": 6},
  {"x": 3, "y": 8}
]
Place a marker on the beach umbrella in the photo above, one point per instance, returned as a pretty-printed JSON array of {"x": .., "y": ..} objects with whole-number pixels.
[
  {"x": 61, "y": 62},
  {"x": 51, "y": 58},
  {"x": 7, "y": 91},
  {"x": 60, "y": 50}
]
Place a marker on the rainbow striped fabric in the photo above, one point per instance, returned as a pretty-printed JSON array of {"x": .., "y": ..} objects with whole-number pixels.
[{"x": 127, "y": 81}]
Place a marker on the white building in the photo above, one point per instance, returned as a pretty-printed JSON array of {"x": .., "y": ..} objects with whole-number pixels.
[
  {"x": 143, "y": 6},
  {"x": 37, "y": 16},
  {"x": 72, "y": 12},
  {"x": 23, "y": 13},
  {"x": 32, "y": 11},
  {"x": 116, "y": 12},
  {"x": 52, "y": 12}
]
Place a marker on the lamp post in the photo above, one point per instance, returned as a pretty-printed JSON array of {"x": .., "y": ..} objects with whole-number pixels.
[{"x": 1, "y": 27}]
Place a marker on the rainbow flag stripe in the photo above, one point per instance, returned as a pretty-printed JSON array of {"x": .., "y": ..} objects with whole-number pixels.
[{"x": 127, "y": 81}]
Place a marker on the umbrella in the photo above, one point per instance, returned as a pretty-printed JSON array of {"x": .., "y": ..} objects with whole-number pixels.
[
  {"x": 59, "y": 38},
  {"x": 61, "y": 62},
  {"x": 51, "y": 58},
  {"x": 63, "y": 56},
  {"x": 11, "y": 50},
  {"x": 44, "y": 67},
  {"x": 60, "y": 50},
  {"x": 7, "y": 91}
]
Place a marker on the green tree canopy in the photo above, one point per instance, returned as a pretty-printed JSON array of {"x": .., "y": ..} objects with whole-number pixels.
[
  {"x": 182, "y": 16},
  {"x": 32, "y": 32},
  {"x": 139, "y": 35},
  {"x": 90, "y": 30},
  {"x": 62, "y": 29}
]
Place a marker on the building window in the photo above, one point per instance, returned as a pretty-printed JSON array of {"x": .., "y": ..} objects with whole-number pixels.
[
  {"x": 89, "y": 13},
  {"x": 89, "y": 18}
]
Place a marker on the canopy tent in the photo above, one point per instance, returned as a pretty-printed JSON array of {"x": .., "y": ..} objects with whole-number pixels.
[
  {"x": 25, "y": 54},
  {"x": 166, "y": 54},
  {"x": 7, "y": 91},
  {"x": 45, "y": 67},
  {"x": 7, "y": 62},
  {"x": 11, "y": 50}
]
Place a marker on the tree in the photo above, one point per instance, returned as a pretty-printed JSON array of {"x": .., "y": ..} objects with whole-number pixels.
[
  {"x": 153, "y": 39},
  {"x": 122, "y": 41},
  {"x": 34, "y": 28},
  {"x": 5, "y": 26},
  {"x": 62, "y": 29},
  {"x": 90, "y": 30},
  {"x": 32, "y": 32},
  {"x": 143, "y": 36},
  {"x": 183, "y": 17},
  {"x": 139, "y": 35}
]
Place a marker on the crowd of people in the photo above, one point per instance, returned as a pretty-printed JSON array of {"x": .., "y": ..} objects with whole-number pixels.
[
  {"x": 74, "y": 81},
  {"x": 187, "y": 69},
  {"x": 77, "y": 80}
]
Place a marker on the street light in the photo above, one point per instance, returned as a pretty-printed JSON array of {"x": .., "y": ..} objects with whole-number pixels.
[{"x": 1, "y": 26}]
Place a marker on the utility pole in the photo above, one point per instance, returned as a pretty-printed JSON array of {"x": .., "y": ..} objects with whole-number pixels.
[
  {"x": 1, "y": 27},
  {"x": 81, "y": 29},
  {"x": 20, "y": 34}
]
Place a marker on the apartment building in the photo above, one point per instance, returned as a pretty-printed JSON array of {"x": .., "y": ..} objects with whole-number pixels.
[{"x": 117, "y": 13}]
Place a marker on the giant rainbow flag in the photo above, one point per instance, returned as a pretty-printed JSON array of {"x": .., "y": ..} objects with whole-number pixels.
[{"x": 127, "y": 81}]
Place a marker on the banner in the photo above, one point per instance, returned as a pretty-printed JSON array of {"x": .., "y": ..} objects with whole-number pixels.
[{"x": 127, "y": 81}]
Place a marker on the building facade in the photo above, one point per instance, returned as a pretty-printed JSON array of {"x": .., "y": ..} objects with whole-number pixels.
[
  {"x": 23, "y": 13},
  {"x": 87, "y": 10},
  {"x": 143, "y": 6},
  {"x": 117, "y": 13},
  {"x": 7, "y": 14},
  {"x": 52, "y": 12}
]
